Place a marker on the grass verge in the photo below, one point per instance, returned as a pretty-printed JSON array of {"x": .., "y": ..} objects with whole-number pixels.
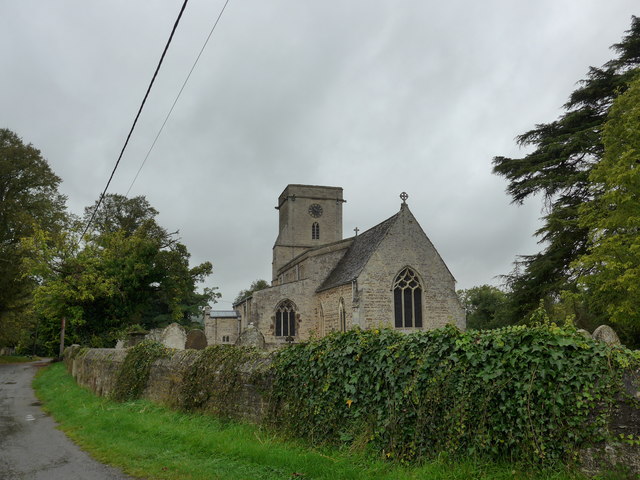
[
  {"x": 15, "y": 359},
  {"x": 153, "y": 442}
]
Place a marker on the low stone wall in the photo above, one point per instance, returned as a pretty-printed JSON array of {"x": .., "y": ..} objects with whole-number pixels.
[{"x": 97, "y": 369}]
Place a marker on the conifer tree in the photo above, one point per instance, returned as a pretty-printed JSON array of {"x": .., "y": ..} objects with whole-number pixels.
[
  {"x": 610, "y": 270},
  {"x": 565, "y": 152}
]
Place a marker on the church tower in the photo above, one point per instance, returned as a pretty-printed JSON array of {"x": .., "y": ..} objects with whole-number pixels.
[{"x": 310, "y": 216}]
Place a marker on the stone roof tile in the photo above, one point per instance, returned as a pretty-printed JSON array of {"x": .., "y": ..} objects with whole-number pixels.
[{"x": 357, "y": 256}]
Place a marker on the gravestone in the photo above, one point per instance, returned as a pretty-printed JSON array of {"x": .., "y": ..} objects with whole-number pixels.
[
  {"x": 584, "y": 333},
  {"x": 130, "y": 340},
  {"x": 196, "y": 340},
  {"x": 174, "y": 336},
  {"x": 252, "y": 337},
  {"x": 606, "y": 334}
]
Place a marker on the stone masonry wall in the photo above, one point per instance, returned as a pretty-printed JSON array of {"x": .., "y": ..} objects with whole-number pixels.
[
  {"x": 407, "y": 245},
  {"x": 264, "y": 302},
  {"x": 218, "y": 330},
  {"x": 97, "y": 369},
  {"x": 329, "y": 305}
]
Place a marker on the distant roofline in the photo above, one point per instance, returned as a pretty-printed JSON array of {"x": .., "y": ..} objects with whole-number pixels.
[
  {"x": 312, "y": 186},
  {"x": 223, "y": 314}
]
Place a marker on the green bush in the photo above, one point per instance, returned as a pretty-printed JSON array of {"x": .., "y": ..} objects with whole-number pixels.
[{"x": 524, "y": 393}]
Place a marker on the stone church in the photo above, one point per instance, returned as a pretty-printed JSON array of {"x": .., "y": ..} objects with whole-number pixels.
[{"x": 390, "y": 275}]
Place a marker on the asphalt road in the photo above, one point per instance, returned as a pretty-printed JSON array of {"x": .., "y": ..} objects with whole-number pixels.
[{"x": 30, "y": 446}]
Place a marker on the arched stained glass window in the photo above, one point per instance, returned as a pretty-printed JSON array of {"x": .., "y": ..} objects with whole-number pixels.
[
  {"x": 407, "y": 299},
  {"x": 315, "y": 231},
  {"x": 285, "y": 319}
]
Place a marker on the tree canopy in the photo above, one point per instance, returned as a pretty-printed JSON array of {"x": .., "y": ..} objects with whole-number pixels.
[
  {"x": 29, "y": 200},
  {"x": 486, "y": 307},
  {"x": 564, "y": 153},
  {"x": 254, "y": 287},
  {"x": 128, "y": 272},
  {"x": 610, "y": 269},
  {"x": 119, "y": 213}
]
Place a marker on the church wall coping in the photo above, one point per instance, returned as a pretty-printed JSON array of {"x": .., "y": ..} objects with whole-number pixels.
[{"x": 321, "y": 250}]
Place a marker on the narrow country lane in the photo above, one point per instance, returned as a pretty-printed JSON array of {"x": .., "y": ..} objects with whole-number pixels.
[{"x": 31, "y": 448}]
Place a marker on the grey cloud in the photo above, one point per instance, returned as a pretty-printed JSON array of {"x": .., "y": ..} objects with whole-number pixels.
[{"x": 378, "y": 97}]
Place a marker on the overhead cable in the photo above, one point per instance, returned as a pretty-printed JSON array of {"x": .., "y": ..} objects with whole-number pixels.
[
  {"x": 155, "y": 74},
  {"x": 177, "y": 97}
]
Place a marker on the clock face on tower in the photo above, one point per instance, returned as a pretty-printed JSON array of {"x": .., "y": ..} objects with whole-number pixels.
[{"x": 315, "y": 210}]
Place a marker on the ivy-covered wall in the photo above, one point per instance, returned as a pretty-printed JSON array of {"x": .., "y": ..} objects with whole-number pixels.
[
  {"x": 534, "y": 394},
  {"x": 221, "y": 380}
]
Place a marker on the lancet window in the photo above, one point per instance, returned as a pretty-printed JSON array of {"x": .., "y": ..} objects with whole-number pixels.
[
  {"x": 407, "y": 299},
  {"x": 285, "y": 319}
]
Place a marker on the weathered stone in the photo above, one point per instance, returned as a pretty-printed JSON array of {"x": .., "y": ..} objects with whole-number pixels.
[
  {"x": 606, "y": 334},
  {"x": 251, "y": 337},
  {"x": 333, "y": 283},
  {"x": 196, "y": 340},
  {"x": 155, "y": 335},
  {"x": 607, "y": 456},
  {"x": 174, "y": 336},
  {"x": 584, "y": 333},
  {"x": 97, "y": 369},
  {"x": 131, "y": 340},
  {"x": 221, "y": 326}
]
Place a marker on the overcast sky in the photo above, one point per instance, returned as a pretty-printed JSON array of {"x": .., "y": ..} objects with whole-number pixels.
[{"x": 377, "y": 97}]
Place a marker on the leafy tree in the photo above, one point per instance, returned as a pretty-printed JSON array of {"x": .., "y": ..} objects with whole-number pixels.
[
  {"x": 29, "y": 199},
  {"x": 119, "y": 213},
  {"x": 172, "y": 283},
  {"x": 255, "y": 286},
  {"x": 118, "y": 278},
  {"x": 486, "y": 307},
  {"x": 70, "y": 278},
  {"x": 564, "y": 154},
  {"x": 611, "y": 266}
]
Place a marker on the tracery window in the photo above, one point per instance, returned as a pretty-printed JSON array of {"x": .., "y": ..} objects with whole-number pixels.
[
  {"x": 315, "y": 231},
  {"x": 342, "y": 316},
  {"x": 285, "y": 319},
  {"x": 407, "y": 299}
]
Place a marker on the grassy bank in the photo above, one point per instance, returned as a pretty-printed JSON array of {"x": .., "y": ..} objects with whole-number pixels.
[
  {"x": 15, "y": 359},
  {"x": 153, "y": 442}
]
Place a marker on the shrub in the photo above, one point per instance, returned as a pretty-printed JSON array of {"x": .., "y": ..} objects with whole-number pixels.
[{"x": 527, "y": 393}]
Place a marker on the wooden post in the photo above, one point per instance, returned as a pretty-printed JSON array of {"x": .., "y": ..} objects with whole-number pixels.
[{"x": 64, "y": 322}]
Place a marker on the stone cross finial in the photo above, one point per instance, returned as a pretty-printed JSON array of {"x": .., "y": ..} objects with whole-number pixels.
[
  {"x": 356, "y": 230},
  {"x": 403, "y": 197}
]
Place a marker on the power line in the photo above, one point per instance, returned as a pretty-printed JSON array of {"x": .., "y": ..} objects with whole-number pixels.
[
  {"x": 155, "y": 74},
  {"x": 177, "y": 97}
]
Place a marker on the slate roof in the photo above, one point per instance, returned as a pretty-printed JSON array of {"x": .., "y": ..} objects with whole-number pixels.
[{"x": 357, "y": 256}]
